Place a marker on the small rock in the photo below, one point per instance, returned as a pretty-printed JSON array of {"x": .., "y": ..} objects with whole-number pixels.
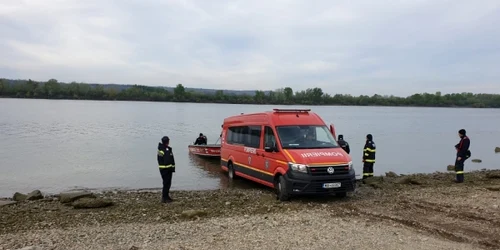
[
  {"x": 30, "y": 248},
  {"x": 408, "y": 180},
  {"x": 193, "y": 213},
  {"x": 68, "y": 197},
  {"x": 373, "y": 179},
  {"x": 228, "y": 203},
  {"x": 391, "y": 174},
  {"x": 91, "y": 203},
  {"x": 497, "y": 150},
  {"x": 450, "y": 168},
  {"x": 493, "y": 175},
  {"x": 35, "y": 195},
  {"x": 6, "y": 202},
  {"x": 19, "y": 197},
  {"x": 477, "y": 160},
  {"x": 375, "y": 185},
  {"x": 493, "y": 188}
]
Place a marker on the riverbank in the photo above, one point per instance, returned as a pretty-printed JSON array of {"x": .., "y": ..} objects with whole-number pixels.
[{"x": 427, "y": 211}]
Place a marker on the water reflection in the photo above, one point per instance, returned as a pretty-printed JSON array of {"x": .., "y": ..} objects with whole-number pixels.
[{"x": 211, "y": 166}]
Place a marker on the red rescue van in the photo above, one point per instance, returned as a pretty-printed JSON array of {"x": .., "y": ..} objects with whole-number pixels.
[{"x": 291, "y": 150}]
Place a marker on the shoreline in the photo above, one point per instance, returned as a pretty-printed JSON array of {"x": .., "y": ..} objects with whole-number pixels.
[
  {"x": 420, "y": 211},
  {"x": 260, "y": 104},
  {"x": 248, "y": 185}
]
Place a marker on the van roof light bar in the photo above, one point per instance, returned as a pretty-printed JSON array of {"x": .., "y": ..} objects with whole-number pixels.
[{"x": 292, "y": 110}]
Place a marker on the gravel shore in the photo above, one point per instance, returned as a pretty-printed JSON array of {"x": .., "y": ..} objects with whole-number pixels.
[
  {"x": 404, "y": 212},
  {"x": 313, "y": 229}
]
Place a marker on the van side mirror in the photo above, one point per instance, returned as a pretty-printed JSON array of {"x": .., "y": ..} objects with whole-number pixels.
[{"x": 270, "y": 147}]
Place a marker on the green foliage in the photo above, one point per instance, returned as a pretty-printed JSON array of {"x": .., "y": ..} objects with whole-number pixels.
[
  {"x": 53, "y": 89},
  {"x": 179, "y": 93}
]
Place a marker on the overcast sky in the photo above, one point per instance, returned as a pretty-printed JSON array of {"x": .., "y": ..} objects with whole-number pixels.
[{"x": 351, "y": 47}]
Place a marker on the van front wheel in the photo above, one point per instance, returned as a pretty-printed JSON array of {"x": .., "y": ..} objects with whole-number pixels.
[
  {"x": 281, "y": 189},
  {"x": 230, "y": 171},
  {"x": 341, "y": 194}
]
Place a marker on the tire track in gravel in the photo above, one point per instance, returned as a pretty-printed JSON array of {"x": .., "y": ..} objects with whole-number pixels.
[
  {"x": 457, "y": 212},
  {"x": 448, "y": 223}
]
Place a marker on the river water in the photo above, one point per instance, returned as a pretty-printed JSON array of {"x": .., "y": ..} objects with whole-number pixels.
[{"x": 56, "y": 145}]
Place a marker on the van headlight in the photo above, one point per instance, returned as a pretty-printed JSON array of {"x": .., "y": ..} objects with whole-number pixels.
[
  {"x": 351, "y": 166},
  {"x": 298, "y": 167}
]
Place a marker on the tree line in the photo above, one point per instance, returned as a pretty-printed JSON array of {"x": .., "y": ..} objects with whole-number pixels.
[{"x": 52, "y": 89}]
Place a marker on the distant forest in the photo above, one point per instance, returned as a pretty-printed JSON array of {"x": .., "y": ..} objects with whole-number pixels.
[{"x": 53, "y": 89}]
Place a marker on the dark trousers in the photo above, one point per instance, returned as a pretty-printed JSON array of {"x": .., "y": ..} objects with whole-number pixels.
[
  {"x": 166, "y": 175},
  {"x": 367, "y": 169},
  {"x": 459, "y": 170}
]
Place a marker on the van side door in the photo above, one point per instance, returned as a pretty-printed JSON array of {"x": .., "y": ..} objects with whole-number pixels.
[
  {"x": 252, "y": 147},
  {"x": 271, "y": 160}
]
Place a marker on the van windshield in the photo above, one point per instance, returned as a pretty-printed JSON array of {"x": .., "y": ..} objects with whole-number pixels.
[{"x": 305, "y": 137}]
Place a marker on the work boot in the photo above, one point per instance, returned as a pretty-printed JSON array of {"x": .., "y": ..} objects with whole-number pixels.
[{"x": 166, "y": 200}]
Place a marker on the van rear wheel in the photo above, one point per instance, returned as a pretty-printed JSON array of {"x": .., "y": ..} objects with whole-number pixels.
[{"x": 281, "y": 189}]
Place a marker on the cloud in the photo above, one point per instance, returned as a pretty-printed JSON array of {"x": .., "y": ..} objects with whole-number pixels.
[{"x": 355, "y": 47}]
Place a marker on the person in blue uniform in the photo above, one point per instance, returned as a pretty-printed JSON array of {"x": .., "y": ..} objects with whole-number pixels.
[
  {"x": 463, "y": 153},
  {"x": 201, "y": 140},
  {"x": 166, "y": 164},
  {"x": 368, "y": 156},
  {"x": 343, "y": 144}
]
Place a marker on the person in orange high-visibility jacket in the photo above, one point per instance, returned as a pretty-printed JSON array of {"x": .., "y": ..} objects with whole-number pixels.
[
  {"x": 166, "y": 164},
  {"x": 368, "y": 156}
]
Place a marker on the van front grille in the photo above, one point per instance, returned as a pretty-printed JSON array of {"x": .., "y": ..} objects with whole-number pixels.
[{"x": 338, "y": 170}]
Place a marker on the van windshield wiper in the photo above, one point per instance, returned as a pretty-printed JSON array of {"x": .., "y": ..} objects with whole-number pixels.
[
  {"x": 308, "y": 147},
  {"x": 319, "y": 147}
]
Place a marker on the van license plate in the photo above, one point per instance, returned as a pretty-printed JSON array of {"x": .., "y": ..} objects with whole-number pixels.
[{"x": 332, "y": 185}]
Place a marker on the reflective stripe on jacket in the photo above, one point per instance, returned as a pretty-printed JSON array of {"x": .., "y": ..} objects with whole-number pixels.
[{"x": 369, "y": 152}]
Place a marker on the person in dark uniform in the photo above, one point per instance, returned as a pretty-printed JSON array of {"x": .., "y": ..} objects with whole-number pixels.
[
  {"x": 201, "y": 140},
  {"x": 463, "y": 153},
  {"x": 166, "y": 163},
  {"x": 343, "y": 144},
  {"x": 368, "y": 156}
]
